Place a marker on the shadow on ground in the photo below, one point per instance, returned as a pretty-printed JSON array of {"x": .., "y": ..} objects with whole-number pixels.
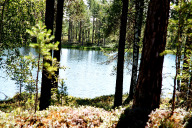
[{"x": 134, "y": 118}]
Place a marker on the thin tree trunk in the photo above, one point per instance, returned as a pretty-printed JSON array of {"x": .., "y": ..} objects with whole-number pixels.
[
  {"x": 104, "y": 40},
  {"x": 69, "y": 32},
  {"x": 46, "y": 84},
  {"x": 174, "y": 88},
  {"x": 120, "y": 62},
  {"x": 88, "y": 35},
  {"x": 149, "y": 83},
  {"x": 178, "y": 66},
  {"x": 138, "y": 24},
  {"x": 99, "y": 27},
  {"x": 58, "y": 33},
  {"x": 179, "y": 48},
  {"x": 185, "y": 80},
  {"x": 96, "y": 30},
  {"x": 1, "y": 22},
  {"x": 72, "y": 34},
  {"x": 80, "y": 31},
  {"x": 37, "y": 79},
  {"x": 83, "y": 36},
  {"x": 76, "y": 32},
  {"x": 93, "y": 30}
]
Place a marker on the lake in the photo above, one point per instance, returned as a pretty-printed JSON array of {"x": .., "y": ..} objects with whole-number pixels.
[{"x": 87, "y": 76}]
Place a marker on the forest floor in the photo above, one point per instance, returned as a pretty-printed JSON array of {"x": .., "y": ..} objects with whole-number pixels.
[{"x": 82, "y": 113}]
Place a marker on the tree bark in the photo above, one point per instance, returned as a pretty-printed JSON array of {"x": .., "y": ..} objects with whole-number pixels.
[
  {"x": 2, "y": 17},
  {"x": 83, "y": 36},
  {"x": 80, "y": 31},
  {"x": 36, "y": 84},
  {"x": 46, "y": 84},
  {"x": 149, "y": 83},
  {"x": 58, "y": 33},
  {"x": 70, "y": 32},
  {"x": 99, "y": 32},
  {"x": 120, "y": 62},
  {"x": 138, "y": 24},
  {"x": 93, "y": 30},
  {"x": 96, "y": 30},
  {"x": 88, "y": 40},
  {"x": 76, "y": 32},
  {"x": 179, "y": 47}
]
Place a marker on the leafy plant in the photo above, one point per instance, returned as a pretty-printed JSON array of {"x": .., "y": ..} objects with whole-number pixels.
[
  {"x": 60, "y": 94},
  {"x": 43, "y": 45}
]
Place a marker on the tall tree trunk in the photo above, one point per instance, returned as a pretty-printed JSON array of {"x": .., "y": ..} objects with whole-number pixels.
[
  {"x": 76, "y": 32},
  {"x": 178, "y": 66},
  {"x": 149, "y": 83},
  {"x": 187, "y": 73},
  {"x": 174, "y": 88},
  {"x": 37, "y": 79},
  {"x": 185, "y": 70},
  {"x": 71, "y": 29},
  {"x": 88, "y": 36},
  {"x": 120, "y": 62},
  {"x": 46, "y": 84},
  {"x": 80, "y": 31},
  {"x": 99, "y": 32},
  {"x": 148, "y": 89},
  {"x": 83, "y": 36},
  {"x": 96, "y": 30},
  {"x": 179, "y": 46},
  {"x": 1, "y": 22},
  {"x": 93, "y": 30},
  {"x": 104, "y": 41},
  {"x": 138, "y": 24},
  {"x": 70, "y": 32},
  {"x": 58, "y": 33}
]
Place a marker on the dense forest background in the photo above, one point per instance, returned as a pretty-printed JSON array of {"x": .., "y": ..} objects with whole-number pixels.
[{"x": 148, "y": 27}]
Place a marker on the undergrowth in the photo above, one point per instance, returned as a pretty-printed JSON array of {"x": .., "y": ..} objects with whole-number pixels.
[{"x": 78, "y": 112}]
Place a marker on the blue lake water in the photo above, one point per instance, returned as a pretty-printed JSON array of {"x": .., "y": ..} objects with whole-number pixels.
[{"x": 87, "y": 76}]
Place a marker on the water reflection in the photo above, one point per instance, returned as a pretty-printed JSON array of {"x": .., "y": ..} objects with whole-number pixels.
[{"x": 86, "y": 76}]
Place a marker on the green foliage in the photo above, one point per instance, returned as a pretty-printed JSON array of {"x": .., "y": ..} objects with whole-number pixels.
[
  {"x": 76, "y": 10},
  {"x": 19, "y": 100},
  {"x": 20, "y": 70},
  {"x": 44, "y": 45},
  {"x": 30, "y": 103},
  {"x": 179, "y": 23},
  {"x": 60, "y": 95},
  {"x": 113, "y": 19},
  {"x": 16, "y": 17}
]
